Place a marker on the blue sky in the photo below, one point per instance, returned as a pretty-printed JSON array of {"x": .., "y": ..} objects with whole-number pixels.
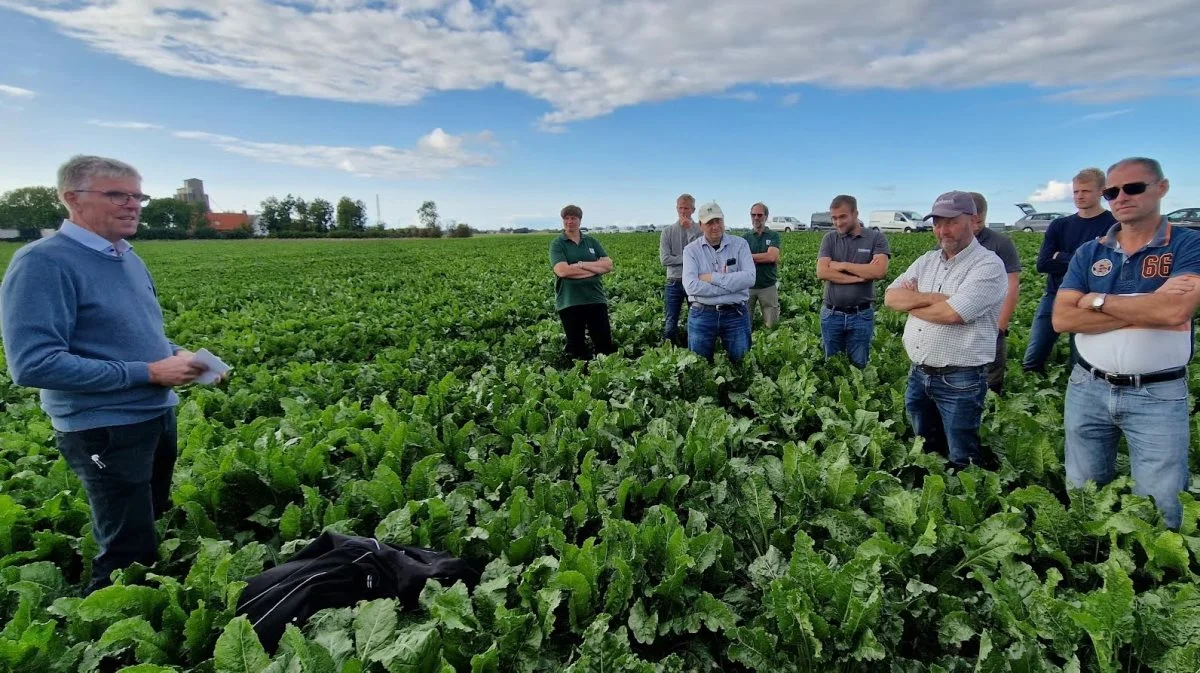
[{"x": 504, "y": 111}]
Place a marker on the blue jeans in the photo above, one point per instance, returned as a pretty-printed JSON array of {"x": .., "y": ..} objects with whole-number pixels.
[
  {"x": 126, "y": 473},
  {"x": 946, "y": 410},
  {"x": 1154, "y": 419},
  {"x": 1042, "y": 336},
  {"x": 850, "y": 333},
  {"x": 705, "y": 324},
  {"x": 675, "y": 296}
]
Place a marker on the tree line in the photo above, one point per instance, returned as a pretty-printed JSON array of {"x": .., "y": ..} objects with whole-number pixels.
[{"x": 31, "y": 209}]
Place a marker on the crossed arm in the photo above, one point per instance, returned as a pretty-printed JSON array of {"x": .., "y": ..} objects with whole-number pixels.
[
  {"x": 584, "y": 269},
  {"x": 1171, "y": 305},
  {"x": 771, "y": 256},
  {"x": 928, "y": 306},
  {"x": 845, "y": 273}
]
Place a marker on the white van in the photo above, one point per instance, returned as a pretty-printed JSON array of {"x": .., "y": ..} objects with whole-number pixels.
[{"x": 897, "y": 220}]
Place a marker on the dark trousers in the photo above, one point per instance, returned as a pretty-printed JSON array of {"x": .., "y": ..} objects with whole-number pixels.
[
  {"x": 586, "y": 320},
  {"x": 126, "y": 473},
  {"x": 674, "y": 297},
  {"x": 995, "y": 371}
]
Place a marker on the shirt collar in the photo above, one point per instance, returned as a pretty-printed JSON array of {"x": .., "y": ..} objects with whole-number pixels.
[
  {"x": 93, "y": 240},
  {"x": 1162, "y": 236},
  {"x": 861, "y": 232},
  {"x": 724, "y": 239},
  {"x": 962, "y": 254}
]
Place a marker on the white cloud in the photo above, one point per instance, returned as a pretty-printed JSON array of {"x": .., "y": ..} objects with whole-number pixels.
[
  {"x": 16, "y": 91},
  {"x": 1097, "y": 116},
  {"x": 1054, "y": 190},
  {"x": 790, "y": 100},
  {"x": 435, "y": 154},
  {"x": 133, "y": 126},
  {"x": 586, "y": 59}
]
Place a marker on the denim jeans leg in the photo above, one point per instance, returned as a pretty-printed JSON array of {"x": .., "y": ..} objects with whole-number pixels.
[
  {"x": 702, "y": 332},
  {"x": 674, "y": 298},
  {"x": 1155, "y": 421},
  {"x": 735, "y": 332},
  {"x": 833, "y": 331},
  {"x": 923, "y": 413},
  {"x": 1091, "y": 433},
  {"x": 124, "y": 471},
  {"x": 861, "y": 329},
  {"x": 959, "y": 397},
  {"x": 1042, "y": 336},
  {"x": 163, "y": 470}
]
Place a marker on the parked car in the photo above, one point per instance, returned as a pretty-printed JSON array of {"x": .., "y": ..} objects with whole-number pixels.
[
  {"x": 897, "y": 220},
  {"x": 821, "y": 221},
  {"x": 785, "y": 223},
  {"x": 1189, "y": 218},
  {"x": 1033, "y": 220}
]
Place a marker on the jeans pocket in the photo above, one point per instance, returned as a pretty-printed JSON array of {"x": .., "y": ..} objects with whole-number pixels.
[
  {"x": 965, "y": 382},
  {"x": 1079, "y": 376},
  {"x": 1166, "y": 391}
]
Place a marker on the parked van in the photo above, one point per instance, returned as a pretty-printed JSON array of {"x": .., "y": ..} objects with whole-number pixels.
[{"x": 897, "y": 220}]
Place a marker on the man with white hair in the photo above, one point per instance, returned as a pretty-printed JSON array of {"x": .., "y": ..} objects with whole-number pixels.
[{"x": 81, "y": 321}]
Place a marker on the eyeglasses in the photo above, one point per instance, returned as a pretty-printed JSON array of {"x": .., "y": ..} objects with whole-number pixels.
[
  {"x": 758, "y": 214},
  {"x": 119, "y": 198},
  {"x": 1132, "y": 189}
]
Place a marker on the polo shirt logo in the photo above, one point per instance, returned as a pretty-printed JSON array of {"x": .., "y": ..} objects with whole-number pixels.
[
  {"x": 592, "y": 250},
  {"x": 1102, "y": 268},
  {"x": 1157, "y": 266}
]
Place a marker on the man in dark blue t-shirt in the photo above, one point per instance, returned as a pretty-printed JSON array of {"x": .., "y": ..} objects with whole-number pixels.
[{"x": 1063, "y": 238}]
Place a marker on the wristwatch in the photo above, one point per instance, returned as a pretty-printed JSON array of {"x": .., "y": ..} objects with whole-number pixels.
[{"x": 1098, "y": 303}]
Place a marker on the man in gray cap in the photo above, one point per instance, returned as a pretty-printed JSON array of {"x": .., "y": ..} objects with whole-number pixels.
[{"x": 952, "y": 296}]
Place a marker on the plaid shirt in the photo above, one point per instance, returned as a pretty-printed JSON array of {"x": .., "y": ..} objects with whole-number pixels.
[{"x": 976, "y": 283}]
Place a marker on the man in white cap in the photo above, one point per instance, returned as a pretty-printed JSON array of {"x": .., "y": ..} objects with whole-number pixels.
[
  {"x": 718, "y": 271},
  {"x": 952, "y": 296}
]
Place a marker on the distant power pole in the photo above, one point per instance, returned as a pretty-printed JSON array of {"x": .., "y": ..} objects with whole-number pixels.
[{"x": 378, "y": 216}]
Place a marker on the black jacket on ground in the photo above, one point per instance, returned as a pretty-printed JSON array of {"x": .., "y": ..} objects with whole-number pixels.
[{"x": 339, "y": 571}]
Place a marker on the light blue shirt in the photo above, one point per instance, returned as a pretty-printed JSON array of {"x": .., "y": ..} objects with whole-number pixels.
[
  {"x": 93, "y": 240},
  {"x": 730, "y": 283}
]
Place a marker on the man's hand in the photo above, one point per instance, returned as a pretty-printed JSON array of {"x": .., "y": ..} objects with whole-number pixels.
[
  {"x": 1179, "y": 285},
  {"x": 837, "y": 266},
  {"x": 706, "y": 277},
  {"x": 176, "y": 370},
  {"x": 910, "y": 284}
]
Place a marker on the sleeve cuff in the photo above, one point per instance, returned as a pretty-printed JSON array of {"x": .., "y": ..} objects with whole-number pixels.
[{"x": 139, "y": 373}]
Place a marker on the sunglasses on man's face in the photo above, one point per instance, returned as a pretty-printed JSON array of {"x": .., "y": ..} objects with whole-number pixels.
[{"x": 1131, "y": 188}]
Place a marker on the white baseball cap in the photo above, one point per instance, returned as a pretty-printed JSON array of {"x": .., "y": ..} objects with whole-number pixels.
[{"x": 710, "y": 211}]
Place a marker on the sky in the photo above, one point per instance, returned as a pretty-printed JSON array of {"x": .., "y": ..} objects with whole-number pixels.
[{"x": 503, "y": 111}]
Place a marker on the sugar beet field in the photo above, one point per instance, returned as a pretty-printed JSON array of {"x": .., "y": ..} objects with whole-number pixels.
[{"x": 650, "y": 513}]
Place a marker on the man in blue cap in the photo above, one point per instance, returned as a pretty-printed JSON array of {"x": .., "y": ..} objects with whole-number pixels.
[{"x": 952, "y": 296}]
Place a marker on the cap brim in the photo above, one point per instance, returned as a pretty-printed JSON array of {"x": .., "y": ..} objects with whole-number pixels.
[{"x": 942, "y": 212}]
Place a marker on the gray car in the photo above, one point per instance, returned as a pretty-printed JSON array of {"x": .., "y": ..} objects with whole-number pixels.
[
  {"x": 1033, "y": 220},
  {"x": 1188, "y": 218}
]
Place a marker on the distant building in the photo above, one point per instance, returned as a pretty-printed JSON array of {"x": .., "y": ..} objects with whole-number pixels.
[
  {"x": 192, "y": 191},
  {"x": 225, "y": 222}
]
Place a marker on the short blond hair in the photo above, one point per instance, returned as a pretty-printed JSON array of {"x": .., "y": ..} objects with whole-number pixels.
[
  {"x": 687, "y": 198},
  {"x": 1092, "y": 175}
]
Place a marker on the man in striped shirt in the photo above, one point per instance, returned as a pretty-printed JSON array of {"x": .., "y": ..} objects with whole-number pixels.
[{"x": 952, "y": 296}]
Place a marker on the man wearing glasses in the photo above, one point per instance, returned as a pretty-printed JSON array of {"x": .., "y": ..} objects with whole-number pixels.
[
  {"x": 1129, "y": 298},
  {"x": 81, "y": 321},
  {"x": 952, "y": 296},
  {"x": 764, "y": 250}
]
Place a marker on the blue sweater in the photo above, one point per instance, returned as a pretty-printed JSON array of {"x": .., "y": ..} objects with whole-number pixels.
[
  {"x": 83, "y": 326},
  {"x": 1064, "y": 236}
]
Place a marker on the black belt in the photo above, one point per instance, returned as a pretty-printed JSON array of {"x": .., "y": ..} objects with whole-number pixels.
[
  {"x": 942, "y": 371},
  {"x": 857, "y": 308},
  {"x": 718, "y": 307},
  {"x": 1135, "y": 380}
]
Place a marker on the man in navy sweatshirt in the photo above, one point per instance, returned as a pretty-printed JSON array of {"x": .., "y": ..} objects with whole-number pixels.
[
  {"x": 81, "y": 321},
  {"x": 1063, "y": 238}
]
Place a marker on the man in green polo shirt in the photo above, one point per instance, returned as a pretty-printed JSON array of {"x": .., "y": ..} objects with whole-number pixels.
[
  {"x": 578, "y": 261},
  {"x": 764, "y": 248}
]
